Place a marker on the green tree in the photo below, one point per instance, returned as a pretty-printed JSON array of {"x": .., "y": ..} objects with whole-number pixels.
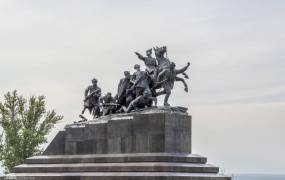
[{"x": 25, "y": 124}]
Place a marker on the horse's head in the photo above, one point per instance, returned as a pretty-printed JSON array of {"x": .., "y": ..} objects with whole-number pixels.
[{"x": 160, "y": 51}]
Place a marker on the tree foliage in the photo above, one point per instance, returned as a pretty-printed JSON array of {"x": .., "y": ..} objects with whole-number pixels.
[{"x": 25, "y": 124}]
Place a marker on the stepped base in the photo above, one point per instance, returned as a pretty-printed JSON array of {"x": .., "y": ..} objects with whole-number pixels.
[
  {"x": 116, "y": 158},
  {"x": 139, "y": 166},
  {"x": 116, "y": 176}
]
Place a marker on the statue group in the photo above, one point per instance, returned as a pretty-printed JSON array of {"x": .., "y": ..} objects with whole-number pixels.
[{"x": 138, "y": 90}]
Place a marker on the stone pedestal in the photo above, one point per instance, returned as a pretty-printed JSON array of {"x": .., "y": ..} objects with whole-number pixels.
[
  {"x": 138, "y": 133},
  {"x": 151, "y": 145}
]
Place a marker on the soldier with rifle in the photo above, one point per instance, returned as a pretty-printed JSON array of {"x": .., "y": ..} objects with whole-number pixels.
[
  {"x": 91, "y": 101},
  {"x": 109, "y": 104}
]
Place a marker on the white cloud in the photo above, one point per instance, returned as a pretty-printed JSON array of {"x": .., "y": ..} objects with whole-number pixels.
[{"x": 242, "y": 138}]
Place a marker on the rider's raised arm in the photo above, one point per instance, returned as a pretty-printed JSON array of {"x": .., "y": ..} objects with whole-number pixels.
[
  {"x": 140, "y": 56},
  {"x": 182, "y": 70}
]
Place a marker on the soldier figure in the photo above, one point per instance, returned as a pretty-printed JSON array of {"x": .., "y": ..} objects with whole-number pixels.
[
  {"x": 109, "y": 104},
  {"x": 142, "y": 101},
  {"x": 168, "y": 82},
  {"x": 150, "y": 63},
  {"x": 91, "y": 100},
  {"x": 125, "y": 95},
  {"x": 140, "y": 81}
]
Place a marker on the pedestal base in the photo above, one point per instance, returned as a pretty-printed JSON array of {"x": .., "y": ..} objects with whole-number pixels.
[
  {"x": 138, "y": 166},
  {"x": 152, "y": 145}
]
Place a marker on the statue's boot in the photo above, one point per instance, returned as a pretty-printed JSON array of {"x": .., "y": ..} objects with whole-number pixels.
[{"x": 166, "y": 100}]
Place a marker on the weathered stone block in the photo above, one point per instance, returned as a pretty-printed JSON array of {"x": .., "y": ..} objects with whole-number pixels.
[
  {"x": 96, "y": 131},
  {"x": 119, "y": 128},
  {"x": 75, "y": 133},
  {"x": 114, "y": 145},
  {"x": 57, "y": 146},
  {"x": 141, "y": 143},
  {"x": 136, "y": 133},
  {"x": 127, "y": 144},
  {"x": 70, "y": 147}
]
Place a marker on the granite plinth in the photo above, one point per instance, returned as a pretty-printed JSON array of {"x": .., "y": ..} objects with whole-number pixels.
[{"x": 129, "y": 133}]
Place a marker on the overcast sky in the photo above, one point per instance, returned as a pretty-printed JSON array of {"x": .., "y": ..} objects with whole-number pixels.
[{"x": 236, "y": 50}]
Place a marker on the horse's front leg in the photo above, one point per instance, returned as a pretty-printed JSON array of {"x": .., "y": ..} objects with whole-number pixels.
[
  {"x": 185, "y": 75},
  {"x": 184, "y": 83}
]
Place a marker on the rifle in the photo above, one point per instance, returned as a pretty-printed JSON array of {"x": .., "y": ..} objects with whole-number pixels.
[
  {"x": 91, "y": 94},
  {"x": 110, "y": 104}
]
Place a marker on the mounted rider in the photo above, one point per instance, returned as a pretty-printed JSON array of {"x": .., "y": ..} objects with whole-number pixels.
[{"x": 150, "y": 63}]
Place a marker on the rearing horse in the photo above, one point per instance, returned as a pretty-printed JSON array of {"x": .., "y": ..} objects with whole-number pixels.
[
  {"x": 162, "y": 62},
  {"x": 167, "y": 74}
]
